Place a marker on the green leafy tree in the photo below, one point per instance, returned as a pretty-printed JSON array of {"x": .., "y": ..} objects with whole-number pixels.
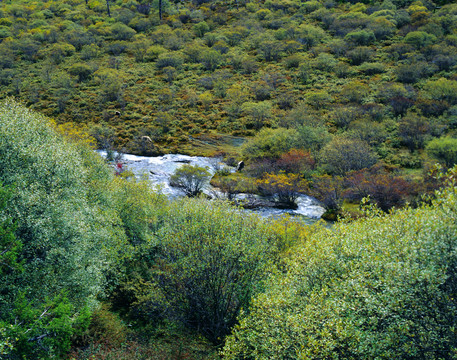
[
  {"x": 121, "y": 31},
  {"x": 319, "y": 99},
  {"x": 270, "y": 50},
  {"x": 343, "y": 154},
  {"x": 200, "y": 28},
  {"x": 361, "y": 37},
  {"x": 139, "y": 48},
  {"x": 237, "y": 96},
  {"x": 46, "y": 329},
  {"x": 190, "y": 179},
  {"x": 210, "y": 261}
]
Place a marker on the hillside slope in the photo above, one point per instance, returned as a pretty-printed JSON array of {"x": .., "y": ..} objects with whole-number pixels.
[{"x": 383, "y": 72}]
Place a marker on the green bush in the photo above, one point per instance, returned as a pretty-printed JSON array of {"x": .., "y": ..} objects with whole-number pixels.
[
  {"x": 361, "y": 38},
  {"x": 382, "y": 287},
  {"x": 200, "y": 29},
  {"x": 81, "y": 70},
  {"x": 343, "y": 154},
  {"x": 122, "y": 32},
  {"x": 211, "y": 59},
  {"x": 419, "y": 39},
  {"x": 444, "y": 149},
  {"x": 168, "y": 59},
  {"x": 269, "y": 143},
  {"x": 442, "y": 89},
  {"x": 10, "y": 246},
  {"x": 68, "y": 231},
  {"x": 190, "y": 179},
  {"x": 210, "y": 261}
]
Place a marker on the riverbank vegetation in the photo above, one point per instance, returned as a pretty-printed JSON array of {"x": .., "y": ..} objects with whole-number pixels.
[
  {"x": 76, "y": 234},
  {"x": 95, "y": 264}
]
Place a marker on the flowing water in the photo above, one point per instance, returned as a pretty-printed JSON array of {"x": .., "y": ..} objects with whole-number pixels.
[{"x": 159, "y": 168}]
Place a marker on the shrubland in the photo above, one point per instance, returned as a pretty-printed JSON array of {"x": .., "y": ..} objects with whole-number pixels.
[
  {"x": 97, "y": 264},
  {"x": 86, "y": 249},
  {"x": 349, "y": 102},
  {"x": 380, "y": 287},
  {"x": 198, "y": 77}
]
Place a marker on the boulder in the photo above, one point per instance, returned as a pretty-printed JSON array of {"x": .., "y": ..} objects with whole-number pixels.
[{"x": 240, "y": 166}]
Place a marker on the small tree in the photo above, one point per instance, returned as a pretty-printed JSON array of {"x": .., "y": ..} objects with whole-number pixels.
[
  {"x": 342, "y": 155},
  {"x": 413, "y": 131},
  {"x": 81, "y": 70},
  {"x": 228, "y": 186},
  {"x": 328, "y": 190},
  {"x": 444, "y": 149},
  {"x": 283, "y": 188},
  {"x": 258, "y": 113},
  {"x": 190, "y": 179},
  {"x": 210, "y": 262}
]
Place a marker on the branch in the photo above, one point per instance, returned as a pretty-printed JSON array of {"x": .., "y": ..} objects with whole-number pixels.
[
  {"x": 36, "y": 338},
  {"x": 44, "y": 313}
]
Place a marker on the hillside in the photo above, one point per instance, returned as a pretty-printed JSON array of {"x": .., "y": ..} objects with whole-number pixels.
[
  {"x": 380, "y": 72},
  {"x": 358, "y": 99},
  {"x": 352, "y": 103}
]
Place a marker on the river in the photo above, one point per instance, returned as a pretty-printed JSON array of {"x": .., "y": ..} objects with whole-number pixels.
[{"x": 159, "y": 168}]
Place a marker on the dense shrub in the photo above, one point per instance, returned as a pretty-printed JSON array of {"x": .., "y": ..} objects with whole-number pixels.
[
  {"x": 385, "y": 189},
  {"x": 443, "y": 149},
  {"x": 361, "y": 38},
  {"x": 381, "y": 287},
  {"x": 269, "y": 143},
  {"x": 210, "y": 261},
  {"x": 343, "y": 154},
  {"x": 63, "y": 249}
]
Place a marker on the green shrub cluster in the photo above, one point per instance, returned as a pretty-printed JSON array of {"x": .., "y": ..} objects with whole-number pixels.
[
  {"x": 382, "y": 287},
  {"x": 66, "y": 222},
  {"x": 74, "y": 234}
]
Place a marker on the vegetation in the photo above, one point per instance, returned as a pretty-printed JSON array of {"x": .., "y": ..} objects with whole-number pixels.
[
  {"x": 352, "y": 103},
  {"x": 85, "y": 252},
  {"x": 351, "y": 85},
  {"x": 75, "y": 236},
  {"x": 381, "y": 287},
  {"x": 190, "y": 179},
  {"x": 55, "y": 254}
]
